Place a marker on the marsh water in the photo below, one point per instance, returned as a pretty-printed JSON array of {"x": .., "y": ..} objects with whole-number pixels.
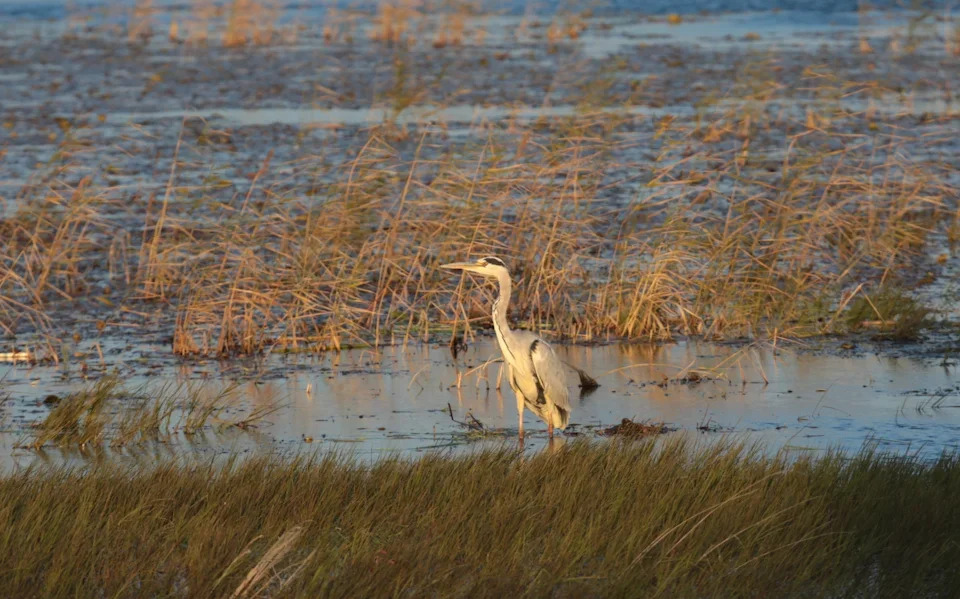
[{"x": 416, "y": 399}]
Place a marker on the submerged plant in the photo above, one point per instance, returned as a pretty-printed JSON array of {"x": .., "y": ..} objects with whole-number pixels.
[{"x": 109, "y": 414}]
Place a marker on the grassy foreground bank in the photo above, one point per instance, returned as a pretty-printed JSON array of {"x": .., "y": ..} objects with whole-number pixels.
[{"x": 613, "y": 520}]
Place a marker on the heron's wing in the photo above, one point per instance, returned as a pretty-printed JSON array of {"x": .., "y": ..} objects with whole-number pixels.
[{"x": 549, "y": 371}]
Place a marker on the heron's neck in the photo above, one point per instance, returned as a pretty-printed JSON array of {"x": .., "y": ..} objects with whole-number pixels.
[{"x": 500, "y": 307}]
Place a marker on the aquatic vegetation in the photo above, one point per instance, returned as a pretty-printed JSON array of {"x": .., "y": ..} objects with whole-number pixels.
[
  {"x": 351, "y": 267},
  {"x": 758, "y": 203},
  {"x": 635, "y": 517},
  {"x": 893, "y": 312},
  {"x": 79, "y": 419},
  {"x": 239, "y": 23},
  {"x": 108, "y": 414}
]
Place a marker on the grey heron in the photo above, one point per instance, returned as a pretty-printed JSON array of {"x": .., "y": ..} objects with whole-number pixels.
[{"x": 534, "y": 371}]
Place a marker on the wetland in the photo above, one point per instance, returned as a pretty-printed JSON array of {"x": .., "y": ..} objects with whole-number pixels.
[{"x": 221, "y": 226}]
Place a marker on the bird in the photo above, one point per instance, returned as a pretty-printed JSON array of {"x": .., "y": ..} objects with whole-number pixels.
[{"x": 534, "y": 371}]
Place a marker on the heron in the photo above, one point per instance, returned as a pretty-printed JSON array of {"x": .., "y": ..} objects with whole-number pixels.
[{"x": 534, "y": 371}]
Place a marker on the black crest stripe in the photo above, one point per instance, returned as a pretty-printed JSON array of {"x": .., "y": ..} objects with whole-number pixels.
[{"x": 541, "y": 399}]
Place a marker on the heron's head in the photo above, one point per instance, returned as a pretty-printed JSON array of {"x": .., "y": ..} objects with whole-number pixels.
[{"x": 491, "y": 266}]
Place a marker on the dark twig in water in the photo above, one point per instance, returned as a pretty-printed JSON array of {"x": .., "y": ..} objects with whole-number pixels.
[
  {"x": 473, "y": 423},
  {"x": 587, "y": 382},
  {"x": 251, "y": 419},
  {"x": 457, "y": 344}
]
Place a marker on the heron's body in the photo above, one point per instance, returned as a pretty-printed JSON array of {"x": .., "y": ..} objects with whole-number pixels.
[{"x": 534, "y": 371}]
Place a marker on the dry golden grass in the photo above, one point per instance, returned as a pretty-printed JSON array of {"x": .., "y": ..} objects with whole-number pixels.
[
  {"x": 751, "y": 217},
  {"x": 250, "y": 22},
  {"x": 239, "y": 23},
  {"x": 393, "y": 20},
  {"x": 358, "y": 265},
  {"x": 140, "y": 24}
]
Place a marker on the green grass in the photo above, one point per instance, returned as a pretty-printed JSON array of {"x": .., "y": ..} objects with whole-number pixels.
[
  {"x": 109, "y": 413},
  {"x": 632, "y": 519},
  {"x": 894, "y": 312}
]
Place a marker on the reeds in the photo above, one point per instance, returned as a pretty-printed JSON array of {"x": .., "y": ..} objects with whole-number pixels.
[
  {"x": 636, "y": 518},
  {"x": 238, "y": 22},
  {"x": 108, "y": 414},
  {"x": 769, "y": 212},
  {"x": 250, "y": 22}
]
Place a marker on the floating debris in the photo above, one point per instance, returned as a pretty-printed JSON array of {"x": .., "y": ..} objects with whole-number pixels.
[
  {"x": 712, "y": 426},
  {"x": 472, "y": 423},
  {"x": 587, "y": 382},
  {"x": 629, "y": 428},
  {"x": 16, "y": 356}
]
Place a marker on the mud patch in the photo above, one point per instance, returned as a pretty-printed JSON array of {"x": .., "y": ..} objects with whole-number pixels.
[{"x": 635, "y": 430}]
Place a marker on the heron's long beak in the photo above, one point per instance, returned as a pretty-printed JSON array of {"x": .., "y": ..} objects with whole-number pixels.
[{"x": 471, "y": 266}]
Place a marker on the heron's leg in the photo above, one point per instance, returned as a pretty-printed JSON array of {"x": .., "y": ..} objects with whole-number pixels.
[
  {"x": 550, "y": 429},
  {"x": 520, "y": 413}
]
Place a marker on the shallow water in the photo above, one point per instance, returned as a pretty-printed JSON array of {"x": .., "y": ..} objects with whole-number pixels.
[
  {"x": 473, "y": 115},
  {"x": 400, "y": 400},
  {"x": 461, "y": 114},
  {"x": 784, "y": 29}
]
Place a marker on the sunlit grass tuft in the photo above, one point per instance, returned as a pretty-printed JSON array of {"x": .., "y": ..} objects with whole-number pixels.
[{"x": 106, "y": 413}]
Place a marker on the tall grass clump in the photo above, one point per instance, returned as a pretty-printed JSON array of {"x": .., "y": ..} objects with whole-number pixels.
[
  {"x": 644, "y": 519},
  {"x": 239, "y": 23},
  {"x": 80, "y": 419},
  {"x": 108, "y": 413},
  {"x": 50, "y": 250}
]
